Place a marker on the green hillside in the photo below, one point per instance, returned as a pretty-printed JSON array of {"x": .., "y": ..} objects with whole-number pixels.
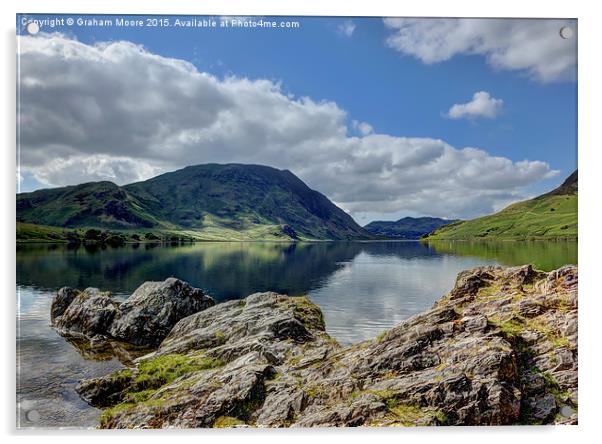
[
  {"x": 209, "y": 202},
  {"x": 407, "y": 227},
  {"x": 550, "y": 216},
  {"x": 96, "y": 204}
]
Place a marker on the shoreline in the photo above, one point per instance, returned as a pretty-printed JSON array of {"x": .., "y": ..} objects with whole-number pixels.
[
  {"x": 297, "y": 375},
  {"x": 292, "y": 241}
]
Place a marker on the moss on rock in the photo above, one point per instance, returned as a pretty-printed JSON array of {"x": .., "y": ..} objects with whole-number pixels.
[
  {"x": 224, "y": 422},
  {"x": 308, "y": 313}
]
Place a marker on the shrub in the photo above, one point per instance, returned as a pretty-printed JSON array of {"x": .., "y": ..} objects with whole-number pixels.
[{"x": 92, "y": 234}]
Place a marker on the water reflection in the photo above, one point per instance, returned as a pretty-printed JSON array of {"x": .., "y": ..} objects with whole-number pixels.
[
  {"x": 106, "y": 350},
  {"x": 372, "y": 293},
  {"x": 228, "y": 270},
  {"x": 362, "y": 289},
  {"x": 48, "y": 369},
  {"x": 543, "y": 255}
]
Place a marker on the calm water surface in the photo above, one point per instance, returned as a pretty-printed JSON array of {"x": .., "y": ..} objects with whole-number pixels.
[{"x": 362, "y": 288}]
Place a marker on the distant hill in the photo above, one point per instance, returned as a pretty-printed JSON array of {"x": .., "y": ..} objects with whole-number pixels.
[
  {"x": 214, "y": 201},
  {"x": 407, "y": 227},
  {"x": 549, "y": 216},
  {"x": 95, "y": 204}
]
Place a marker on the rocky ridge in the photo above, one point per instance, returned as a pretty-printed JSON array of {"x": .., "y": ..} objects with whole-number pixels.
[{"x": 500, "y": 348}]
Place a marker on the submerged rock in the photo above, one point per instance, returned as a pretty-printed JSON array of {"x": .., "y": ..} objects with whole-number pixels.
[
  {"x": 145, "y": 318},
  {"x": 474, "y": 359}
]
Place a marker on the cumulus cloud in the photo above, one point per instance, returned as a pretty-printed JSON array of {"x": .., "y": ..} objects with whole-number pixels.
[
  {"x": 362, "y": 127},
  {"x": 346, "y": 28},
  {"x": 95, "y": 167},
  {"x": 481, "y": 105},
  {"x": 114, "y": 111},
  {"x": 530, "y": 45}
]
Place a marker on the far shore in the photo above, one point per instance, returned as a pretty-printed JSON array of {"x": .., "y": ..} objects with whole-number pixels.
[{"x": 303, "y": 241}]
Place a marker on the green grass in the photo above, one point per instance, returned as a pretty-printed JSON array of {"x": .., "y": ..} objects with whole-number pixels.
[
  {"x": 156, "y": 372},
  {"x": 315, "y": 391},
  {"x": 517, "y": 325},
  {"x": 32, "y": 233},
  {"x": 41, "y": 233},
  {"x": 545, "y": 217},
  {"x": 152, "y": 375},
  {"x": 308, "y": 313},
  {"x": 224, "y": 422},
  {"x": 111, "y": 412},
  {"x": 409, "y": 415},
  {"x": 401, "y": 413}
]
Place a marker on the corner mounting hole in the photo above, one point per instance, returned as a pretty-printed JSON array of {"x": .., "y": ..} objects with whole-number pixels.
[
  {"x": 33, "y": 28},
  {"x": 33, "y": 415},
  {"x": 566, "y": 32}
]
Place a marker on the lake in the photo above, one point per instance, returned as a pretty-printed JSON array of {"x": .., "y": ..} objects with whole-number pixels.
[{"x": 362, "y": 288}]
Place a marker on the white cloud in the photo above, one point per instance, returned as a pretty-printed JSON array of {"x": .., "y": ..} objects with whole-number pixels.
[
  {"x": 114, "y": 111},
  {"x": 530, "y": 45},
  {"x": 346, "y": 28},
  {"x": 94, "y": 167},
  {"x": 362, "y": 127},
  {"x": 481, "y": 105}
]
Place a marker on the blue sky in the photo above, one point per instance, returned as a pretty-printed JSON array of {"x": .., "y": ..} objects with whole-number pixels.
[{"x": 395, "y": 92}]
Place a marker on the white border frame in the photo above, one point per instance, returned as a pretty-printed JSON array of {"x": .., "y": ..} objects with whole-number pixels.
[{"x": 590, "y": 77}]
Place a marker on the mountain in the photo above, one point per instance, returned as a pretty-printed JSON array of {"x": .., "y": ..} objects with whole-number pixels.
[
  {"x": 549, "y": 216},
  {"x": 231, "y": 201},
  {"x": 407, "y": 227},
  {"x": 96, "y": 204}
]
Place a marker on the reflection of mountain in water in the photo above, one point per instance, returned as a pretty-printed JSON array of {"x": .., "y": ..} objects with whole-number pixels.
[
  {"x": 226, "y": 270},
  {"x": 543, "y": 255}
]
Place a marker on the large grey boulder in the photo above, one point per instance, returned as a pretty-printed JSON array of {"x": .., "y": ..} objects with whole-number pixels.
[
  {"x": 244, "y": 325},
  {"x": 149, "y": 314},
  {"x": 61, "y": 302},
  {"x": 90, "y": 313},
  {"x": 145, "y": 318}
]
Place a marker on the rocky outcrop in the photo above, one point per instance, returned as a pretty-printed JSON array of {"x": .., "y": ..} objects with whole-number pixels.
[
  {"x": 61, "y": 302},
  {"x": 145, "y": 318},
  {"x": 148, "y": 315},
  {"x": 500, "y": 348},
  {"x": 89, "y": 314}
]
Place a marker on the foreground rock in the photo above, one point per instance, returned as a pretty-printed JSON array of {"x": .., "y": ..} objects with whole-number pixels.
[
  {"x": 145, "y": 318},
  {"x": 501, "y": 348},
  {"x": 89, "y": 313},
  {"x": 148, "y": 315}
]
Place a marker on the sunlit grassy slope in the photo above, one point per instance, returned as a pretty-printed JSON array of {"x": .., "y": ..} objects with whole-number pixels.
[
  {"x": 33, "y": 233},
  {"x": 550, "y": 216}
]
